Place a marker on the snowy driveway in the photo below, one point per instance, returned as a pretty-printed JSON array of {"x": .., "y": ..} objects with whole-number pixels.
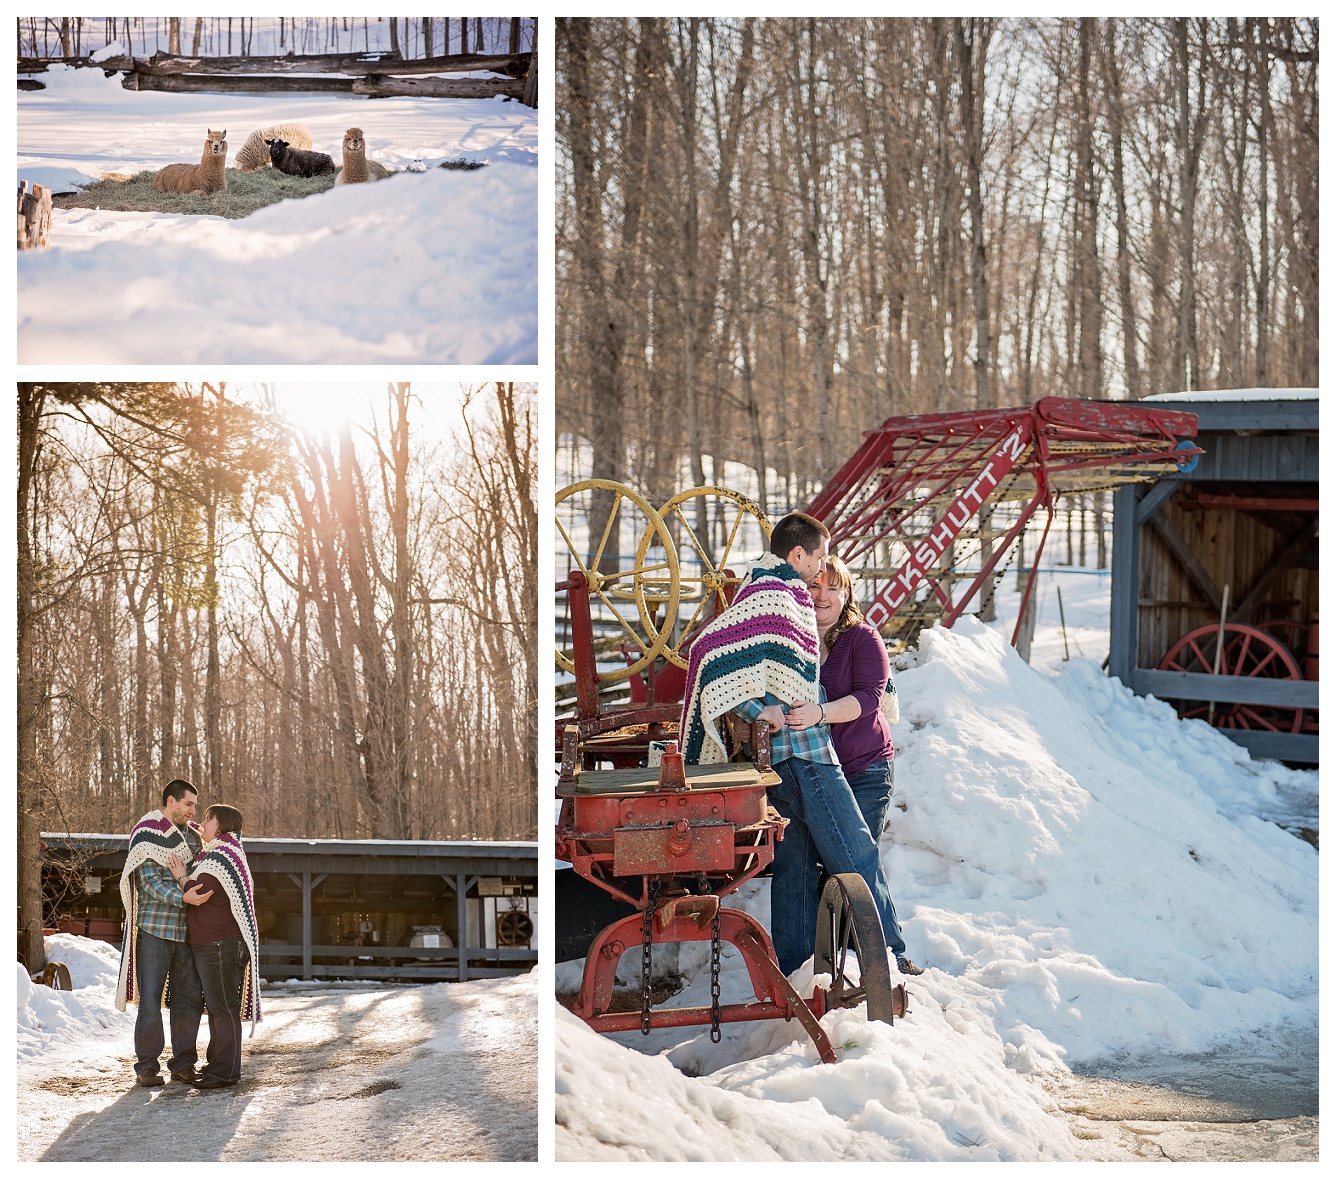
[{"x": 333, "y": 1073}]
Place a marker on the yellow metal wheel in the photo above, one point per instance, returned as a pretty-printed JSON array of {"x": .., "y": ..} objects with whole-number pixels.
[
  {"x": 639, "y": 595},
  {"x": 705, "y": 561}
]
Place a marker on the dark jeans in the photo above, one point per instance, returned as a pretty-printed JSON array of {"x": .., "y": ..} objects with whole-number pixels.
[
  {"x": 222, "y": 968},
  {"x": 158, "y": 959},
  {"x": 827, "y": 829}
]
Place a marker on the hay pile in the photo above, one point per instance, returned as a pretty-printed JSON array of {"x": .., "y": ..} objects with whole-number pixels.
[{"x": 245, "y": 192}]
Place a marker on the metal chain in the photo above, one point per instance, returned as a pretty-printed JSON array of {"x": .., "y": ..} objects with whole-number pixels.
[
  {"x": 715, "y": 1034},
  {"x": 646, "y": 956}
]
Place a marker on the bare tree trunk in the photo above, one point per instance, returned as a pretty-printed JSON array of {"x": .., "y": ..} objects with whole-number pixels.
[
  {"x": 31, "y": 693},
  {"x": 1092, "y": 377},
  {"x": 174, "y": 34},
  {"x": 1116, "y": 116},
  {"x": 199, "y": 29}
]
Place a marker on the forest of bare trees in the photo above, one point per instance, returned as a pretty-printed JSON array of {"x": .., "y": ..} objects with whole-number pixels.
[
  {"x": 333, "y": 629},
  {"x": 212, "y": 36},
  {"x": 774, "y": 234}
]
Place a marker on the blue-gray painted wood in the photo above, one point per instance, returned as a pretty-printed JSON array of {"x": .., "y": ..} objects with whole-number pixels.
[
  {"x": 1154, "y": 499},
  {"x": 1259, "y": 458},
  {"x": 1300, "y": 747},
  {"x": 1123, "y": 586},
  {"x": 1290, "y": 414},
  {"x": 1225, "y": 689}
]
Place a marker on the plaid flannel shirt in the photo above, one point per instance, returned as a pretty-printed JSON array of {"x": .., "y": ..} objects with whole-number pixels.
[
  {"x": 162, "y": 911},
  {"x": 810, "y": 744}
]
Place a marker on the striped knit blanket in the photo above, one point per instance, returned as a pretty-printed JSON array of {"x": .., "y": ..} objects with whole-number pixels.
[
  {"x": 225, "y": 860},
  {"x": 764, "y": 643},
  {"x": 155, "y": 837}
]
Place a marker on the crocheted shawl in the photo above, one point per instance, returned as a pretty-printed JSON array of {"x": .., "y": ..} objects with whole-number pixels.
[
  {"x": 765, "y": 642},
  {"x": 225, "y": 860},
  {"x": 155, "y": 837}
]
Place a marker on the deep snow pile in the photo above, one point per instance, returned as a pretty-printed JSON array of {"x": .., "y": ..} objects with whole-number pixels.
[
  {"x": 437, "y": 267},
  {"x": 49, "y": 1021},
  {"x": 1087, "y": 879}
]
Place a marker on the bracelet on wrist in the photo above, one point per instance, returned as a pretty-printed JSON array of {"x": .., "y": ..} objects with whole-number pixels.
[{"x": 823, "y": 714}]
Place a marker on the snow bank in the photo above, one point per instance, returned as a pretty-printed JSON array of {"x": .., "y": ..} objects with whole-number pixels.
[
  {"x": 53, "y": 1023},
  {"x": 436, "y": 268},
  {"x": 1087, "y": 878}
]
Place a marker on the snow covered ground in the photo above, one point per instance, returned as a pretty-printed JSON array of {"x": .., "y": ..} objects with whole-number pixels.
[
  {"x": 1092, "y": 883},
  {"x": 430, "y": 267},
  {"x": 348, "y": 1071}
]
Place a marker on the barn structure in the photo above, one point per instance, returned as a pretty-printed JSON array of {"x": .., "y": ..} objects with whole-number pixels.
[
  {"x": 339, "y": 908},
  {"x": 1214, "y": 601}
]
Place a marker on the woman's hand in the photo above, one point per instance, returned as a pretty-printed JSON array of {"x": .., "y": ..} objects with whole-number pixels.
[
  {"x": 195, "y": 897},
  {"x": 804, "y": 714},
  {"x": 176, "y": 868}
]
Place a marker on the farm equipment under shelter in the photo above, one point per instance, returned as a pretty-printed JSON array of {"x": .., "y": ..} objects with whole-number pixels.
[{"x": 1214, "y": 601}]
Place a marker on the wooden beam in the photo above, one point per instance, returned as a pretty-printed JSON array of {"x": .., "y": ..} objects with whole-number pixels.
[
  {"x": 1281, "y": 560},
  {"x": 1225, "y": 689},
  {"x": 376, "y": 86},
  {"x": 357, "y": 65},
  {"x": 1192, "y": 566},
  {"x": 1155, "y": 498}
]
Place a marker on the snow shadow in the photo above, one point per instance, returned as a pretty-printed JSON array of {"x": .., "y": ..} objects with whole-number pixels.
[{"x": 171, "y": 1124}]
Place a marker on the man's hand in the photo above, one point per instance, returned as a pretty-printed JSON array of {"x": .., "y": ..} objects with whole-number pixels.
[
  {"x": 195, "y": 897},
  {"x": 803, "y": 714},
  {"x": 773, "y": 715}
]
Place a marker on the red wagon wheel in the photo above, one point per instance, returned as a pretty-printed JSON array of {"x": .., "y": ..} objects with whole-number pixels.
[{"x": 1248, "y": 651}]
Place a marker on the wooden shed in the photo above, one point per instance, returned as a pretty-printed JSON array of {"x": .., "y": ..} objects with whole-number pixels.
[
  {"x": 1215, "y": 573},
  {"x": 343, "y": 908}
]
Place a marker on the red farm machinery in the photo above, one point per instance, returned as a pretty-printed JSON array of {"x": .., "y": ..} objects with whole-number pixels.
[{"x": 924, "y": 512}]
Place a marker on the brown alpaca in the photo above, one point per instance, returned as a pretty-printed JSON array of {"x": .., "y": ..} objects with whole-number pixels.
[
  {"x": 209, "y": 175},
  {"x": 357, "y": 169}
]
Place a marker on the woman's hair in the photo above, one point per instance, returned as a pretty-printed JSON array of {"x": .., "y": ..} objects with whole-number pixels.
[
  {"x": 839, "y": 577},
  {"x": 229, "y": 818}
]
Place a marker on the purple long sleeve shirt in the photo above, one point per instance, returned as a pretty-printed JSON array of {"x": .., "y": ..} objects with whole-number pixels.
[{"x": 859, "y": 666}]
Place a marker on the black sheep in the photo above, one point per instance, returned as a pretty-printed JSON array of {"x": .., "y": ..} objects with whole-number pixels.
[{"x": 294, "y": 162}]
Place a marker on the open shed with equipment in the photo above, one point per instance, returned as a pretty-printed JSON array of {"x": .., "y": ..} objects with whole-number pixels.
[
  {"x": 341, "y": 908},
  {"x": 1214, "y": 601}
]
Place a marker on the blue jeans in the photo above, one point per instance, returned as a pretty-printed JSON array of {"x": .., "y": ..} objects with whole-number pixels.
[
  {"x": 158, "y": 959},
  {"x": 222, "y": 968},
  {"x": 826, "y": 829}
]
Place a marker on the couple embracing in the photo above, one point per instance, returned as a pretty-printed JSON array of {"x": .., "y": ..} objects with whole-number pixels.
[
  {"x": 793, "y": 650},
  {"x": 190, "y": 939}
]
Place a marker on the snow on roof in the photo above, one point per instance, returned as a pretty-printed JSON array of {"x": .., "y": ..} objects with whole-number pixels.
[{"x": 1237, "y": 395}]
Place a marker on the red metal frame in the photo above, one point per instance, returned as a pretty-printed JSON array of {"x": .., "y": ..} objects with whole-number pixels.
[{"x": 948, "y": 466}]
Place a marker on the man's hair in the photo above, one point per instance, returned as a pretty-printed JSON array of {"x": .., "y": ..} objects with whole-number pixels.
[
  {"x": 177, "y": 788},
  {"x": 798, "y": 528},
  {"x": 229, "y": 818}
]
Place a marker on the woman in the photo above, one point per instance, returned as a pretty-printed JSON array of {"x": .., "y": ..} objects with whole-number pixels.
[
  {"x": 222, "y": 935},
  {"x": 855, "y": 676}
]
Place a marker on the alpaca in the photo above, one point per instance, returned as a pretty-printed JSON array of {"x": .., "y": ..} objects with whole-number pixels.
[
  {"x": 357, "y": 169},
  {"x": 254, "y": 153},
  {"x": 287, "y": 159},
  {"x": 209, "y": 175}
]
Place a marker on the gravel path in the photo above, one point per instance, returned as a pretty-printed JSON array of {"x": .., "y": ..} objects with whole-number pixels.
[{"x": 412, "y": 1073}]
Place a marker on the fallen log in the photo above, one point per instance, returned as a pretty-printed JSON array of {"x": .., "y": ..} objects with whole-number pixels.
[
  {"x": 513, "y": 65},
  {"x": 378, "y": 87},
  {"x": 34, "y": 216},
  {"x": 200, "y": 84}
]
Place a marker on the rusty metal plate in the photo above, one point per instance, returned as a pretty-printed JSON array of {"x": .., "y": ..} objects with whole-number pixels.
[
  {"x": 653, "y": 851},
  {"x": 665, "y": 807}
]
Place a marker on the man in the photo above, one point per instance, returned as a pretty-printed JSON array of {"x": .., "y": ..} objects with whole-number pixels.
[
  {"x": 155, "y": 956},
  {"x": 758, "y": 656}
]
